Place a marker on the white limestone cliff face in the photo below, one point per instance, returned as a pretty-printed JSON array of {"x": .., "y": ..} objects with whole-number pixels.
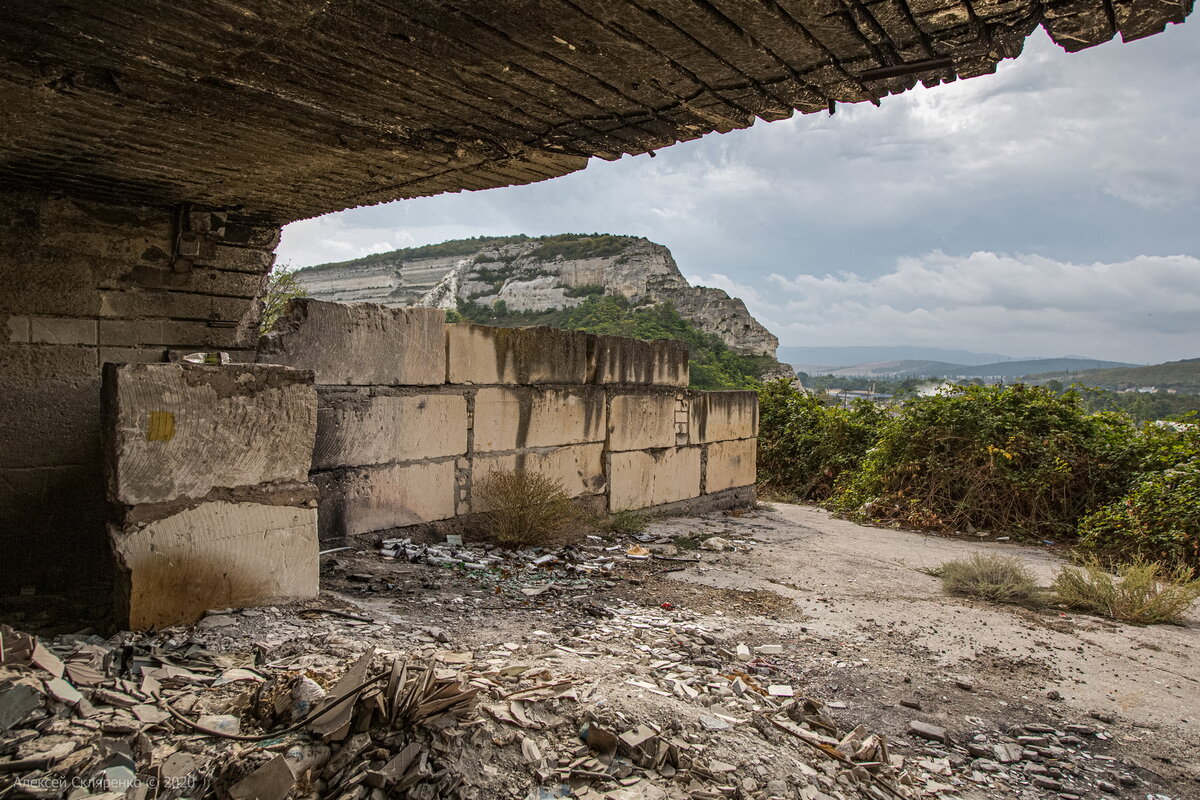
[{"x": 527, "y": 276}]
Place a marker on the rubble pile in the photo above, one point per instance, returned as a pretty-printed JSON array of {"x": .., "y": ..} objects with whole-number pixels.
[
  {"x": 556, "y": 693},
  {"x": 84, "y": 718}
]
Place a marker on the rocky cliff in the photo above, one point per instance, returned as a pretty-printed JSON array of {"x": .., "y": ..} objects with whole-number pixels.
[{"x": 539, "y": 274}]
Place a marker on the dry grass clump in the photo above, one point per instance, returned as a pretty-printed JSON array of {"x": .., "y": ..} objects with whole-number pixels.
[
  {"x": 1145, "y": 592},
  {"x": 523, "y": 509},
  {"x": 1001, "y": 579}
]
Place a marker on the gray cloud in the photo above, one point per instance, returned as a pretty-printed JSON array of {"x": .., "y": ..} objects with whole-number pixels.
[{"x": 1086, "y": 159}]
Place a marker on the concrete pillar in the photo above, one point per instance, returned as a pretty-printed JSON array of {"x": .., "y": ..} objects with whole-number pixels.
[{"x": 88, "y": 283}]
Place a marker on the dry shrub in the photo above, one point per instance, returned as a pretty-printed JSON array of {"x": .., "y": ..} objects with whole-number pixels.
[
  {"x": 1145, "y": 592},
  {"x": 523, "y": 509},
  {"x": 1001, "y": 579}
]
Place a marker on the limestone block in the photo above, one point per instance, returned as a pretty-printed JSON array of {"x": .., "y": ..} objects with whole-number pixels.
[
  {"x": 644, "y": 478},
  {"x": 717, "y": 416},
  {"x": 63, "y": 330},
  {"x": 481, "y": 354},
  {"x": 579, "y": 468},
  {"x": 618, "y": 360},
  {"x": 180, "y": 430},
  {"x": 730, "y": 464},
  {"x": 360, "y": 344},
  {"x": 510, "y": 419},
  {"x": 641, "y": 421},
  {"x": 356, "y": 430},
  {"x": 375, "y": 499},
  {"x": 216, "y": 555}
]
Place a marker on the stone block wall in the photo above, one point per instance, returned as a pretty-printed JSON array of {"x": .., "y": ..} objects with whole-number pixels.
[
  {"x": 207, "y": 470},
  {"x": 413, "y": 413},
  {"x": 89, "y": 283}
]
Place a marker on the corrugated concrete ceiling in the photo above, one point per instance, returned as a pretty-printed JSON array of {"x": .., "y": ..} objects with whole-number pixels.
[{"x": 292, "y": 108}]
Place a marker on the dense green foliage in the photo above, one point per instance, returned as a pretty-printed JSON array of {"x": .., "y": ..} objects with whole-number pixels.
[
  {"x": 804, "y": 446},
  {"x": 713, "y": 365},
  {"x": 1159, "y": 518},
  {"x": 1018, "y": 460}
]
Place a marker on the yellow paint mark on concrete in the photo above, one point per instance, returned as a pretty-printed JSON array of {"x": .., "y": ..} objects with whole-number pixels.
[{"x": 160, "y": 427}]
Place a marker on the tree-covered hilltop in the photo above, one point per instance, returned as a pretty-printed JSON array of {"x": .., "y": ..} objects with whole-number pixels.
[{"x": 713, "y": 365}]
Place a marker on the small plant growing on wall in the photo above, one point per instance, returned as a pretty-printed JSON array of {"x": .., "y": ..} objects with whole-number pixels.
[
  {"x": 523, "y": 509},
  {"x": 282, "y": 285}
]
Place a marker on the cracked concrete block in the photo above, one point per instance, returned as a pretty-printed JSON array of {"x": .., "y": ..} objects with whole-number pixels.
[
  {"x": 356, "y": 431},
  {"x": 375, "y": 499},
  {"x": 181, "y": 430},
  {"x": 215, "y": 555},
  {"x": 717, "y": 416},
  {"x": 619, "y": 360},
  {"x": 359, "y": 344},
  {"x": 730, "y": 464},
  {"x": 511, "y": 419},
  {"x": 641, "y": 421},
  {"x": 579, "y": 468},
  {"x": 645, "y": 478},
  {"x": 481, "y": 354}
]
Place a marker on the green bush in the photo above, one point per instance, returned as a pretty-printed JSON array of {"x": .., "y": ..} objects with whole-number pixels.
[
  {"x": 1159, "y": 519},
  {"x": 1018, "y": 459},
  {"x": 805, "y": 447}
]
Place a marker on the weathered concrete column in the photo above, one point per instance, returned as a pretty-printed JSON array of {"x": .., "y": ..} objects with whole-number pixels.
[
  {"x": 207, "y": 467},
  {"x": 88, "y": 283}
]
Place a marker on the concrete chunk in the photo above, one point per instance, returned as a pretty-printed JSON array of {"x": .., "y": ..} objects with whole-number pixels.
[
  {"x": 481, "y": 354},
  {"x": 357, "y": 431},
  {"x": 216, "y": 555},
  {"x": 632, "y": 362},
  {"x": 927, "y": 730},
  {"x": 730, "y": 464},
  {"x": 181, "y": 430},
  {"x": 509, "y": 419},
  {"x": 640, "y": 479},
  {"x": 641, "y": 421},
  {"x": 718, "y": 416},
  {"x": 375, "y": 499},
  {"x": 359, "y": 344}
]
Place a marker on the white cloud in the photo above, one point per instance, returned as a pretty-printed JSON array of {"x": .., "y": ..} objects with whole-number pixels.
[{"x": 1023, "y": 304}]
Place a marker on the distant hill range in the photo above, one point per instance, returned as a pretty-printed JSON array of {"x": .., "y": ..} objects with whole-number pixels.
[
  {"x": 537, "y": 274},
  {"x": 998, "y": 370},
  {"x": 1180, "y": 375},
  {"x": 842, "y": 356}
]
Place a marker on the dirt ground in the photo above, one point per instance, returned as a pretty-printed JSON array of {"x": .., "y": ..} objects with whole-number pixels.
[
  {"x": 863, "y": 628},
  {"x": 666, "y": 637}
]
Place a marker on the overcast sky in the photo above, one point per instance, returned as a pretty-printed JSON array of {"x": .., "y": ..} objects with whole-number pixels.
[{"x": 1048, "y": 209}]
